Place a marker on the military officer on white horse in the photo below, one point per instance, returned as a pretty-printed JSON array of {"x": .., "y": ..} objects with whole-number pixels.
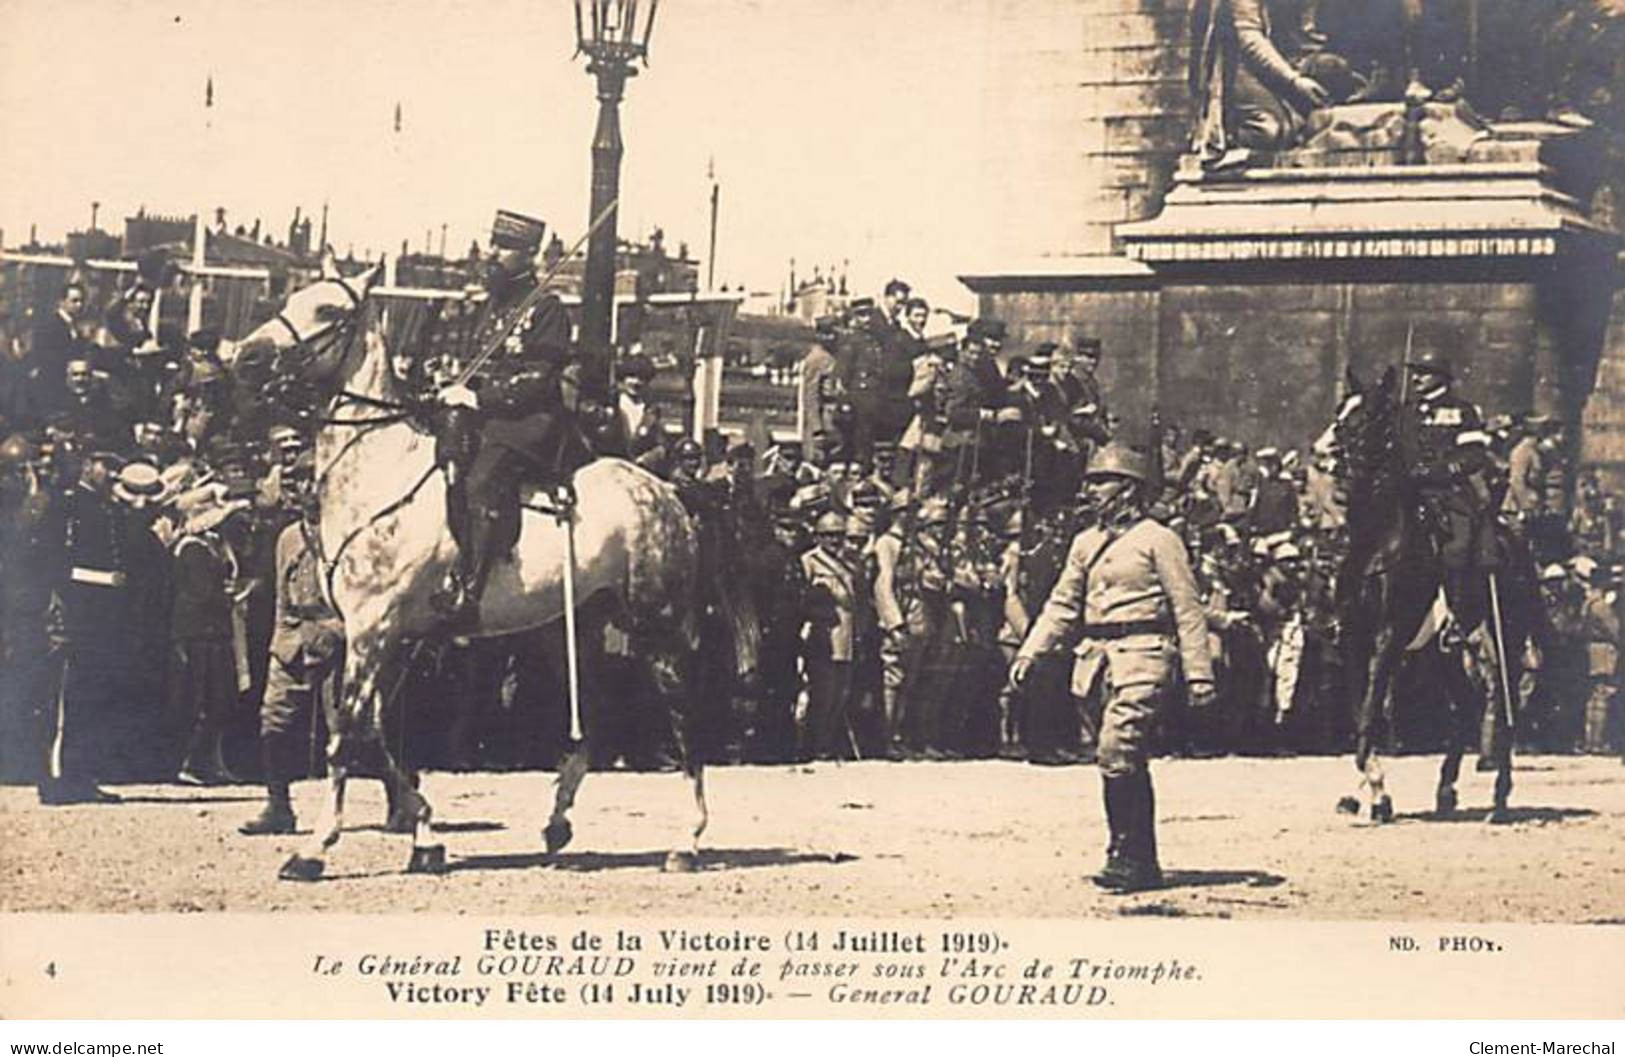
[{"x": 512, "y": 423}]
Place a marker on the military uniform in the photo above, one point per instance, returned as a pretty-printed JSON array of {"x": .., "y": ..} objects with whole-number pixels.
[
  {"x": 1449, "y": 475},
  {"x": 521, "y": 430},
  {"x": 307, "y": 648},
  {"x": 1128, "y": 590},
  {"x": 833, "y": 614}
]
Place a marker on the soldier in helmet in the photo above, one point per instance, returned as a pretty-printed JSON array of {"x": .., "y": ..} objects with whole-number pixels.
[
  {"x": 830, "y": 613},
  {"x": 1445, "y": 451},
  {"x": 516, "y": 426},
  {"x": 1127, "y": 588}
]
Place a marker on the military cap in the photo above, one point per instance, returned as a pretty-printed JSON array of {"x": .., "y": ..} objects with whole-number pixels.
[
  {"x": 885, "y": 447},
  {"x": 1089, "y": 347},
  {"x": 1118, "y": 460},
  {"x": 516, "y": 231},
  {"x": 861, "y": 304},
  {"x": 830, "y": 523},
  {"x": 1430, "y": 359},
  {"x": 1043, "y": 355},
  {"x": 866, "y": 495},
  {"x": 1553, "y": 573},
  {"x": 688, "y": 448}
]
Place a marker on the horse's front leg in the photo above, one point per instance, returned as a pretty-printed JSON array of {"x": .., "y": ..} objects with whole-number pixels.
[
  {"x": 1379, "y": 673},
  {"x": 344, "y": 718}
]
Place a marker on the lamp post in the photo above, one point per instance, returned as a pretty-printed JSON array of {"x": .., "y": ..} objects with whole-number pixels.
[{"x": 614, "y": 35}]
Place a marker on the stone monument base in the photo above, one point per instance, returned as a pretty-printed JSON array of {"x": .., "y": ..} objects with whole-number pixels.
[{"x": 1242, "y": 303}]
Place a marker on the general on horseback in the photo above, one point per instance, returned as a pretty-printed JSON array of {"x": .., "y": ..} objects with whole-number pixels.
[
  {"x": 1428, "y": 565},
  {"x": 510, "y": 422},
  {"x": 501, "y": 451}
]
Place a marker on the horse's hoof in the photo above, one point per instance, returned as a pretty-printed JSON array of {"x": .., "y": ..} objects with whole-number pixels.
[
  {"x": 299, "y": 868},
  {"x": 1498, "y": 816},
  {"x": 1444, "y": 803},
  {"x": 1383, "y": 809},
  {"x": 557, "y": 835},
  {"x": 1348, "y": 805},
  {"x": 681, "y": 862},
  {"x": 427, "y": 858}
]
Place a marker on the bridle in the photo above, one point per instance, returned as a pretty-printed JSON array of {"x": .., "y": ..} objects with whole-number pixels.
[{"x": 290, "y": 360}]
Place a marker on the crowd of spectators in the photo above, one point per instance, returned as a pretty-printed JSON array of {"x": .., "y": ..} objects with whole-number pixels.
[{"x": 887, "y": 564}]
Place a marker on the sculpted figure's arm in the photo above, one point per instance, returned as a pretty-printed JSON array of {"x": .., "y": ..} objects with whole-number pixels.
[{"x": 1265, "y": 61}]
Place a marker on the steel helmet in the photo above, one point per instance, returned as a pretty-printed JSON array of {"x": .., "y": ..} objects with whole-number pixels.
[{"x": 1119, "y": 460}]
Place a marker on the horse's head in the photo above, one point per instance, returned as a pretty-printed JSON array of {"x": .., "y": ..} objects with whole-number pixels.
[
  {"x": 305, "y": 344},
  {"x": 1360, "y": 440}
]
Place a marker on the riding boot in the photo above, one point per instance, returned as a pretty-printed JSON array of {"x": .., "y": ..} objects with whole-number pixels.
[
  {"x": 1115, "y": 794},
  {"x": 467, "y": 581},
  {"x": 401, "y": 817},
  {"x": 1147, "y": 869},
  {"x": 277, "y": 816}
]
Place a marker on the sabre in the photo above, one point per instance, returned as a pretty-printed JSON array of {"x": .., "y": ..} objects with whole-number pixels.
[
  {"x": 570, "y": 628},
  {"x": 1404, "y": 364},
  {"x": 531, "y": 298},
  {"x": 1501, "y": 651}
]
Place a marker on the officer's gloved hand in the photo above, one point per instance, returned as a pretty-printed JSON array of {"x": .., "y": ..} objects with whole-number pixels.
[{"x": 458, "y": 396}]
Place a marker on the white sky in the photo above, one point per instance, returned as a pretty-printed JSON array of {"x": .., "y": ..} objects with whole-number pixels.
[{"x": 840, "y": 128}]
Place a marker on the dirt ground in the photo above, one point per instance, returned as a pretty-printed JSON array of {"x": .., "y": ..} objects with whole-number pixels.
[{"x": 1242, "y": 838}]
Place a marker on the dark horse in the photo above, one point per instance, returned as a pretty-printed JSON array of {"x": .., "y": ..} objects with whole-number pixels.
[{"x": 1391, "y": 601}]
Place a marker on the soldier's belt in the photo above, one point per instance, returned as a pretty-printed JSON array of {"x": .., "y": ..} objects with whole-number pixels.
[{"x": 1124, "y": 628}]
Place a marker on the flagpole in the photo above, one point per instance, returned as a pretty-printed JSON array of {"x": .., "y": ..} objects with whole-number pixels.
[{"x": 200, "y": 230}]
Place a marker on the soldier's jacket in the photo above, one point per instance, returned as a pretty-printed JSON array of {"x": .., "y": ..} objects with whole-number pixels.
[
  {"x": 307, "y": 628},
  {"x": 833, "y": 607},
  {"x": 887, "y": 552},
  {"x": 1141, "y": 575},
  {"x": 1430, "y": 429},
  {"x": 519, "y": 391},
  {"x": 1526, "y": 474}
]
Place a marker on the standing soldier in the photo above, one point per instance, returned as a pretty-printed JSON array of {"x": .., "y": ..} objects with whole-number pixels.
[
  {"x": 1128, "y": 588},
  {"x": 306, "y": 657},
  {"x": 830, "y": 613},
  {"x": 888, "y": 553}
]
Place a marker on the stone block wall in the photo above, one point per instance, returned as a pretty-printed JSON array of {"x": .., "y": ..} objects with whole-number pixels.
[{"x": 1264, "y": 361}]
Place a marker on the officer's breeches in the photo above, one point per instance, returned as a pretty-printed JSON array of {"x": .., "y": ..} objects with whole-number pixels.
[
  {"x": 1128, "y": 725},
  {"x": 290, "y": 689}
]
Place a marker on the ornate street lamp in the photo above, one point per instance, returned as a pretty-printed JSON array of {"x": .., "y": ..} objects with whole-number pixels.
[{"x": 614, "y": 35}]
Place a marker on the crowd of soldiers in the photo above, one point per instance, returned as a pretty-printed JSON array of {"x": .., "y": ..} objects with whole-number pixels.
[{"x": 880, "y": 574}]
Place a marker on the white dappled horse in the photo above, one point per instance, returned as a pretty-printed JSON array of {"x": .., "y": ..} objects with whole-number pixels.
[{"x": 385, "y": 548}]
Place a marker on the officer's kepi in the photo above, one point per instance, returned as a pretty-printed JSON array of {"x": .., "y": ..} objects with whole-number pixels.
[{"x": 516, "y": 231}]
